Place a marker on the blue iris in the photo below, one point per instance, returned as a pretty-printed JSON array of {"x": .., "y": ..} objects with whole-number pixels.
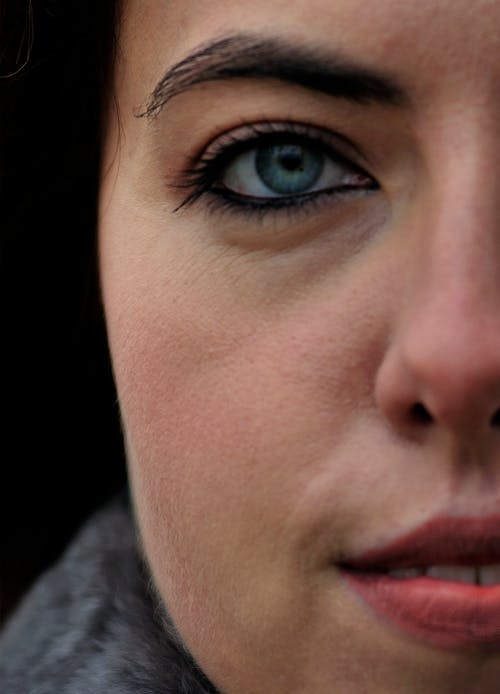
[{"x": 289, "y": 169}]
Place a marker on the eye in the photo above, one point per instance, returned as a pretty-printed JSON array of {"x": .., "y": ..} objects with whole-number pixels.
[
  {"x": 287, "y": 170},
  {"x": 268, "y": 166}
]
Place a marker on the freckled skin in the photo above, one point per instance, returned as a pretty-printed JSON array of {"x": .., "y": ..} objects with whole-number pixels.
[{"x": 267, "y": 368}]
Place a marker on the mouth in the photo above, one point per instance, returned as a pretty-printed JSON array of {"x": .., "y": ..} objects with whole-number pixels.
[{"x": 439, "y": 583}]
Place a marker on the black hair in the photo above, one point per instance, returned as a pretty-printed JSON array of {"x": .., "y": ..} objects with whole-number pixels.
[{"x": 62, "y": 451}]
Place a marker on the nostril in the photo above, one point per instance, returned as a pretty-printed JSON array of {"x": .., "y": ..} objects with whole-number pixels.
[
  {"x": 420, "y": 414},
  {"x": 495, "y": 420}
]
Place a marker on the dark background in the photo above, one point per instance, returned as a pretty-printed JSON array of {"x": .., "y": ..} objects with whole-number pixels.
[{"x": 61, "y": 451}]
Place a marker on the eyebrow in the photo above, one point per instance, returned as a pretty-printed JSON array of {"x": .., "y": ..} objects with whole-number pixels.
[{"x": 248, "y": 56}]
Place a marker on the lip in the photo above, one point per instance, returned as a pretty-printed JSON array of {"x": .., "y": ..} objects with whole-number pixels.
[{"x": 445, "y": 614}]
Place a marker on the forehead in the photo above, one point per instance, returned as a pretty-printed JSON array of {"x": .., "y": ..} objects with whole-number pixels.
[{"x": 422, "y": 41}]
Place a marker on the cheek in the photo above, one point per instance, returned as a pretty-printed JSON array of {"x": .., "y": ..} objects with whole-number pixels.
[
  {"x": 240, "y": 400},
  {"x": 222, "y": 444},
  {"x": 228, "y": 418}
]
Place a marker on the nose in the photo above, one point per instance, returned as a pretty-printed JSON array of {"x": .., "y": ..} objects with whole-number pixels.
[{"x": 441, "y": 368}]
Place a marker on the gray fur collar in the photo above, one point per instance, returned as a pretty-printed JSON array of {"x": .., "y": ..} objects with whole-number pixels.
[{"x": 92, "y": 624}]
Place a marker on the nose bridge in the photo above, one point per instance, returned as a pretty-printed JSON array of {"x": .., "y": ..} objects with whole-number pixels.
[
  {"x": 463, "y": 201},
  {"x": 459, "y": 233}
]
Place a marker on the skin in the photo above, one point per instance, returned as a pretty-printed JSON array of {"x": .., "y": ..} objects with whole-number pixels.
[{"x": 267, "y": 367}]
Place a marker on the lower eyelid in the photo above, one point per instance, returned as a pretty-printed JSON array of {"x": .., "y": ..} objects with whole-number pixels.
[
  {"x": 220, "y": 199},
  {"x": 297, "y": 206}
]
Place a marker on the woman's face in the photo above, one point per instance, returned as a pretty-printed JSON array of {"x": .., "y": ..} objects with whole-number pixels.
[{"x": 300, "y": 252}]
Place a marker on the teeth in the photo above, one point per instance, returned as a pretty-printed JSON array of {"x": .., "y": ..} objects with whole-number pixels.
[
  {"x": 487, "y": 575},
  {"x": 462, "y": 574}
]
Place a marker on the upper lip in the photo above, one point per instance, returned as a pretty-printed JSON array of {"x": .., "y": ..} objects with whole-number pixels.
[{"x": 457, "y": 541}]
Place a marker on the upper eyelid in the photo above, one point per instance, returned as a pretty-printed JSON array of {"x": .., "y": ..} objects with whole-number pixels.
[{"x": 338, "y": 143}]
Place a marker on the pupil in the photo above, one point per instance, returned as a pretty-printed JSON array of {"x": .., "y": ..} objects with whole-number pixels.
[
  {"x": 292, "y": 161},
  {"x": 289, "y": 169}
]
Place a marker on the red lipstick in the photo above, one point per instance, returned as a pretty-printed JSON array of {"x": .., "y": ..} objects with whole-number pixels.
[{"x": 449, "y": 614}]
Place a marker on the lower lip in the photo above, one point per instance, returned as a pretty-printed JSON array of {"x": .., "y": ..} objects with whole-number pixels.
[{"x": 445, "y": 614}]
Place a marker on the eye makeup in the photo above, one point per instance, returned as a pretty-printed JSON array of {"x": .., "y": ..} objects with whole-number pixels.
[{"x": 267, "y": 167}]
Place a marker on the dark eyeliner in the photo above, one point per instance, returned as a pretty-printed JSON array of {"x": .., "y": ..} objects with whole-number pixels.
[{"x": 201, "y": 177}]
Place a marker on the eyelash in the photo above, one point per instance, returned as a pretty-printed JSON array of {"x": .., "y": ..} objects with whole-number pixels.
[{"x": 201, "y": 177}]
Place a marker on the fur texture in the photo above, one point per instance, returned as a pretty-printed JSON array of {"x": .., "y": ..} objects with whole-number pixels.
[{"x": 93, "y": 624}]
